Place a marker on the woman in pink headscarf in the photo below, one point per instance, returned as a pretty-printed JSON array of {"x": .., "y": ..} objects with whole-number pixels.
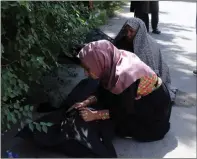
[
  {"x": 134, "y": 96},
  {"x": 130, "y": 96}
]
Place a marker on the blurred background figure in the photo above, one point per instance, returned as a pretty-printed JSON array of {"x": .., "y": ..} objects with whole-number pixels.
[
  {"x": 141, "y": 10},
  {"x": 195, "y": 71}
]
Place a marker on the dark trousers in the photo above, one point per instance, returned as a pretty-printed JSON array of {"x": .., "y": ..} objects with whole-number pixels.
[
  {"x": 154, "y": 20},
  {"x": 145, "y": 18}
]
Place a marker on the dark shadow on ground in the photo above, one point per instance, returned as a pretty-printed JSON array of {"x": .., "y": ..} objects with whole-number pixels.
[
  {"x": 175, "y": 27},
  {"x": 183, "y": 122},
  {"x": 189, "y": 1},
  {"x": 131, "y": 149},
  {"x": 161, "y": 12}
]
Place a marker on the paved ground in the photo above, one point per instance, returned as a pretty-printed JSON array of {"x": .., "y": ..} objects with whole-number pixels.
[{"x": 178, "y": 43}]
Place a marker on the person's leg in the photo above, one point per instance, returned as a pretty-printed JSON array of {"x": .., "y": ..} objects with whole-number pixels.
[
  {"x": 144, "y": 17},
  {"x": 107, "y": 135},
  {"x": 154, "y": 22},
  {"x": 151, "y": 122}
]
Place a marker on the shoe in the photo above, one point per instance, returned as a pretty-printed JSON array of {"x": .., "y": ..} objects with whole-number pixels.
[
  {"x": 156, "y": 31},
  {"x": 194, "y": 72}
]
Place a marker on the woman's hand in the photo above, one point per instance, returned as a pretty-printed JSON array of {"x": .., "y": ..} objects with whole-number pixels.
[
  {"x": 87, "y": 114},
  {"x": 79, "y": 105},
  {"x": 85, "y": 103}
]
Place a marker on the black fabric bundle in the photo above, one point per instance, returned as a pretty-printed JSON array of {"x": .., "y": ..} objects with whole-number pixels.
[{"x": 70, "y": 134}]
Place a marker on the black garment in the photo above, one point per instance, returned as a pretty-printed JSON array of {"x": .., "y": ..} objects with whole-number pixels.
[
  {"x": 154, "y": 20},
  {"x": 139, "y": 6},
  {"x": 122, "y": 42},
  {"x": 146, "y": 119},
  {"x": 154, "y": 10},
  {"x": 70, "y": 134},
  {"x": 144, "y": 17},
  {"x": 153, "y": 6},
  {"x": 141, "y": 10}
]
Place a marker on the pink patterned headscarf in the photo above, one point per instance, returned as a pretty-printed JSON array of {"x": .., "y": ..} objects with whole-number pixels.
[{"x": 116, "y": 69}]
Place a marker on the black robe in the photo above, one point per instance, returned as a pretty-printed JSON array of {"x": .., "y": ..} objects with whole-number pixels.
[
  {"x": 144, "y": 6},
  {"x": 70, "y": 134},
  {"x": 146, "y": 119}
]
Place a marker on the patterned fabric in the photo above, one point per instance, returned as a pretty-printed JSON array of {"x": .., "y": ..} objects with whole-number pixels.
[
  {"x": 146, "y": 48},
  {"x": 116, "y": 69},
  {"x": 146, "y": 85},
  {"x": 148, "y": 51}
]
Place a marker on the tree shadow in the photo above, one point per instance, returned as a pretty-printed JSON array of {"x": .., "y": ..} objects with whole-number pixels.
[
  {"x": 175, "y": 27},
  {"x": 183, "y": 131},
  {"x": 188, "y": 1},
  {"x": 158, "y": 149},
  {"x": 184, "y": 125},
  {"x": 162, "y": 12}
]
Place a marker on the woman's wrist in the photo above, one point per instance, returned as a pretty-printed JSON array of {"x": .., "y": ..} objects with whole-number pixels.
[
  {"x": 102, "y": 115},
  {"x": 90, "y": 100}
]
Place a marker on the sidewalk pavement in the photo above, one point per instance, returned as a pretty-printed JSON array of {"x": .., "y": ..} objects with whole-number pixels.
[{"x": 178, "y": 46}]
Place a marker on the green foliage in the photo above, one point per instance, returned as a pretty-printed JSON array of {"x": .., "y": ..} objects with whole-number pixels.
[
  {"x": 33, "y": 34},
  {"x": 109, "y": 6}
]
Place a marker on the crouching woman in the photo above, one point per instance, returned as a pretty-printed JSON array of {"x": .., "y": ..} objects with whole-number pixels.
[{"x": 135, "y": 98}]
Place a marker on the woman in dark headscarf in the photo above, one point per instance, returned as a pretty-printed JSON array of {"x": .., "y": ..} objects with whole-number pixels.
[
  {"x": 134, "y": 37},
  {"x": 135, "y": 97}
]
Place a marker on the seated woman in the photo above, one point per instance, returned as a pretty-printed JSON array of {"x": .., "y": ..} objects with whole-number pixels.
[
  {"x": 134, "y": 37},
  {"x": 136, "y": 99}
]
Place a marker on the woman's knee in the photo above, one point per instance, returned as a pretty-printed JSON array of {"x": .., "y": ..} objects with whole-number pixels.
[{"x": 153, "y": 134}]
